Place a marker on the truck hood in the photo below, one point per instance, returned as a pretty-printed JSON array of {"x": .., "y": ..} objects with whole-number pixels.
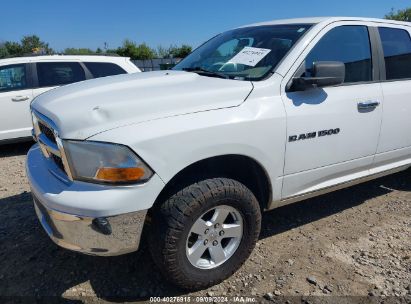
[{"x": 86, "y": 108}]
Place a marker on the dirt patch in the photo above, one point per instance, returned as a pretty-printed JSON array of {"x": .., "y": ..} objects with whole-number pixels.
[{"x": 347, "y": 245}]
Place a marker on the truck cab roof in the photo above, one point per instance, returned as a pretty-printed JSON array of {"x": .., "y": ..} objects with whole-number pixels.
[{"x": 326, "y": 20}]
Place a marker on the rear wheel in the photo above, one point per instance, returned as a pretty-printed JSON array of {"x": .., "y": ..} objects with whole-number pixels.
[{"x": 203, "y": 233}]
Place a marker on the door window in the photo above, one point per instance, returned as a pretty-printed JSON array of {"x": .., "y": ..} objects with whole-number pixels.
[
  {"x": 396, "y": 44},
  {"x": 347, "y": 44},
  {"x": 13, "y": 77},
  {"x": 102, "y": 69},
  {"x": 59, "y": 73}
]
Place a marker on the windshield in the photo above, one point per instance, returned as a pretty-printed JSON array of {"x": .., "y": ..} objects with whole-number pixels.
[{"x": 249, "y": 53}]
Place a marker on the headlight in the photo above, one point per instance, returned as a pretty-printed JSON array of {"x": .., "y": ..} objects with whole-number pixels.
[{"x": 105, "y": 163}]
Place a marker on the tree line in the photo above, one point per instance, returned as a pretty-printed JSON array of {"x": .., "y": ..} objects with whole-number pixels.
[
  {"x": 32, "y": 44},
  {"x": 400, "y": 15}
]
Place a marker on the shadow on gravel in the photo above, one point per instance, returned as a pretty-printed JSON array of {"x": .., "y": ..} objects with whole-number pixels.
[
  {"x": 31, "y": 265},
  {"x": 16, "y": 149}
]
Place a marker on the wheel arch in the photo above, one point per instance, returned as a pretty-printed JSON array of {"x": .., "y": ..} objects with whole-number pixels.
[{"x": 241, "y": 168}]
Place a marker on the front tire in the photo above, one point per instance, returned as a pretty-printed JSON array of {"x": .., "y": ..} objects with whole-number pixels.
[{"x": 203, "y": 233}]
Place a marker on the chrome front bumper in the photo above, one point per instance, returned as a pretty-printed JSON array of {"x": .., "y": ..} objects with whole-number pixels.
[{"x": 104, "y": 236}]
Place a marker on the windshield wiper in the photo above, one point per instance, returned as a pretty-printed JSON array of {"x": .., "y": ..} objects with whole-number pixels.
[{"x": 205, "y": 72}]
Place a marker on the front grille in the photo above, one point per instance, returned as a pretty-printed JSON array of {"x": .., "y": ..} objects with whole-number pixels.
[
  {"x": 47, "y": 137},
  {"x": 58, "y": 161},
  {"x": 47, "y": 132}
]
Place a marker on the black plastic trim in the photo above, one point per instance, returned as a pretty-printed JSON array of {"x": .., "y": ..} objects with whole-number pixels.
[
  {"x": 87, "y": 72},
  {"x": 29, "y": 75},
  {"x": 377, "y": 52},
  {"x": 35, "y": 79},
  {"x": 15, "y": 140}
]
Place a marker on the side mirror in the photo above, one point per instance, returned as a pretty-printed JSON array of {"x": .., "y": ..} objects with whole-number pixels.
[{"x": 325, "y": 73}]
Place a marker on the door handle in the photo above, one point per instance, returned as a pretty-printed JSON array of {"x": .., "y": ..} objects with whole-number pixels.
[
  {"x": 20, "y": 98},
  {"x": 368, "y": 105}
]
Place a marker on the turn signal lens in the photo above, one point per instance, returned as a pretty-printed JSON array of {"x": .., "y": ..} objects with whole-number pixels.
[
  {"x": 120, "y": 174},
  {"x": 99, "y": 162}
]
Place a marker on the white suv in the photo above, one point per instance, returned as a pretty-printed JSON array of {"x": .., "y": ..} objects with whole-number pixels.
[
  {"x": 256, "y": 118},
  {"x": 23, "y": 78}
]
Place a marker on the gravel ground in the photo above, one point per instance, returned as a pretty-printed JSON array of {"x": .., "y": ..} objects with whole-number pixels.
[{"x": 353, "y": 245}]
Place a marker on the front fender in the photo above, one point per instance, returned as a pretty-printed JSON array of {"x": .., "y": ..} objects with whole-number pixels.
[{"x": 255, "y": 130}]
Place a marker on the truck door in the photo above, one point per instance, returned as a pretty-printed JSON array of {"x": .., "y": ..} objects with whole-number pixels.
[
  {"x": 333, "y": 131},
  {"x": 394, "y": 148}
]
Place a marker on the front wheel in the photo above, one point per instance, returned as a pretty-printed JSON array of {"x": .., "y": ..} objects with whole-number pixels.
[{"x": 203, "y": 233}]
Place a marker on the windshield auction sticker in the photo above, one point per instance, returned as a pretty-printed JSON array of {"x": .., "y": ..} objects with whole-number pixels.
[{"x": 250, "y": 56}]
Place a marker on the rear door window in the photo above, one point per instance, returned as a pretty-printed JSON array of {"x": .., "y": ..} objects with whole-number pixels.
[
  {"x": 103, "y": 69},
  {"x": 59, "y": 73},
  {"x": 396, "y": 44},
  {"x": 13, "y": 77}
]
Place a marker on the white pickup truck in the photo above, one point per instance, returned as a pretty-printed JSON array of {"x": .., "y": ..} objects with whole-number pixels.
[{"x": 256, "y": 118}]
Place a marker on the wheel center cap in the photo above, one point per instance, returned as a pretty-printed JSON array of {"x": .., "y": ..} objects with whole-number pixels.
[{"x": 213, "y": 235}]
